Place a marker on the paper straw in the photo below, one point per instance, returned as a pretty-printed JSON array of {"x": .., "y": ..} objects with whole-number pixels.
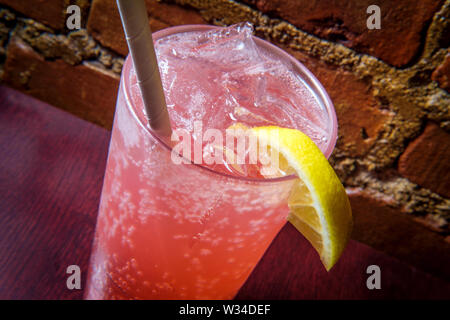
[{"x": 139, "y": 38}]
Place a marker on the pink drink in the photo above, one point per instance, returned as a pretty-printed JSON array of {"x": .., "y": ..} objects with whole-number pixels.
[{"x": 185, "y": 231}]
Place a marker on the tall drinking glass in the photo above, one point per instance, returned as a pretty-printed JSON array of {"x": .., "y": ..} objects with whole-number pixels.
[{"x": 184, "y": 231}]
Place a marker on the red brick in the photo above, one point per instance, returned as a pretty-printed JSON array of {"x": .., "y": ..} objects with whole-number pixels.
[
  {"x": 397, "y": 42},
  {"x": 426, "y": 160},
  {"x": 359, "y": 117},
  {"x": 105, "y": 26},
  {"x": 51, "y": 13},
  {"x": 396, "y": 233},
  {"x": 442, "y": 74},
  {"x": 83, "y": 90}
]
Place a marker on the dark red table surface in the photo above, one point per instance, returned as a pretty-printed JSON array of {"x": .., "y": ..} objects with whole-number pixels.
[{"x": 51, "y": 172}]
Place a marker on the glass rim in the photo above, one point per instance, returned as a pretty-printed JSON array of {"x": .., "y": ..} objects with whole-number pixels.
[{"x": 305, "y": 74}]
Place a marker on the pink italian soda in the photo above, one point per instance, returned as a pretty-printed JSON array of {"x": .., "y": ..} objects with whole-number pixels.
[{"x": 196, "y": 231}]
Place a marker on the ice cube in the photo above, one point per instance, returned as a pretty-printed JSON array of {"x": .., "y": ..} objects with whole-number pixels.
[
  {"x": 233, "y": 46},
  {"x": 234, "y": 38}
]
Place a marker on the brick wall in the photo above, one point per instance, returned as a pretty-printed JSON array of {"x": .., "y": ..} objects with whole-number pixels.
[{"x": 390, "y": 88}]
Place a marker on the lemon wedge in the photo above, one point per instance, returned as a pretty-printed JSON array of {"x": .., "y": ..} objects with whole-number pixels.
[{"x": 319, "y": 206}]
